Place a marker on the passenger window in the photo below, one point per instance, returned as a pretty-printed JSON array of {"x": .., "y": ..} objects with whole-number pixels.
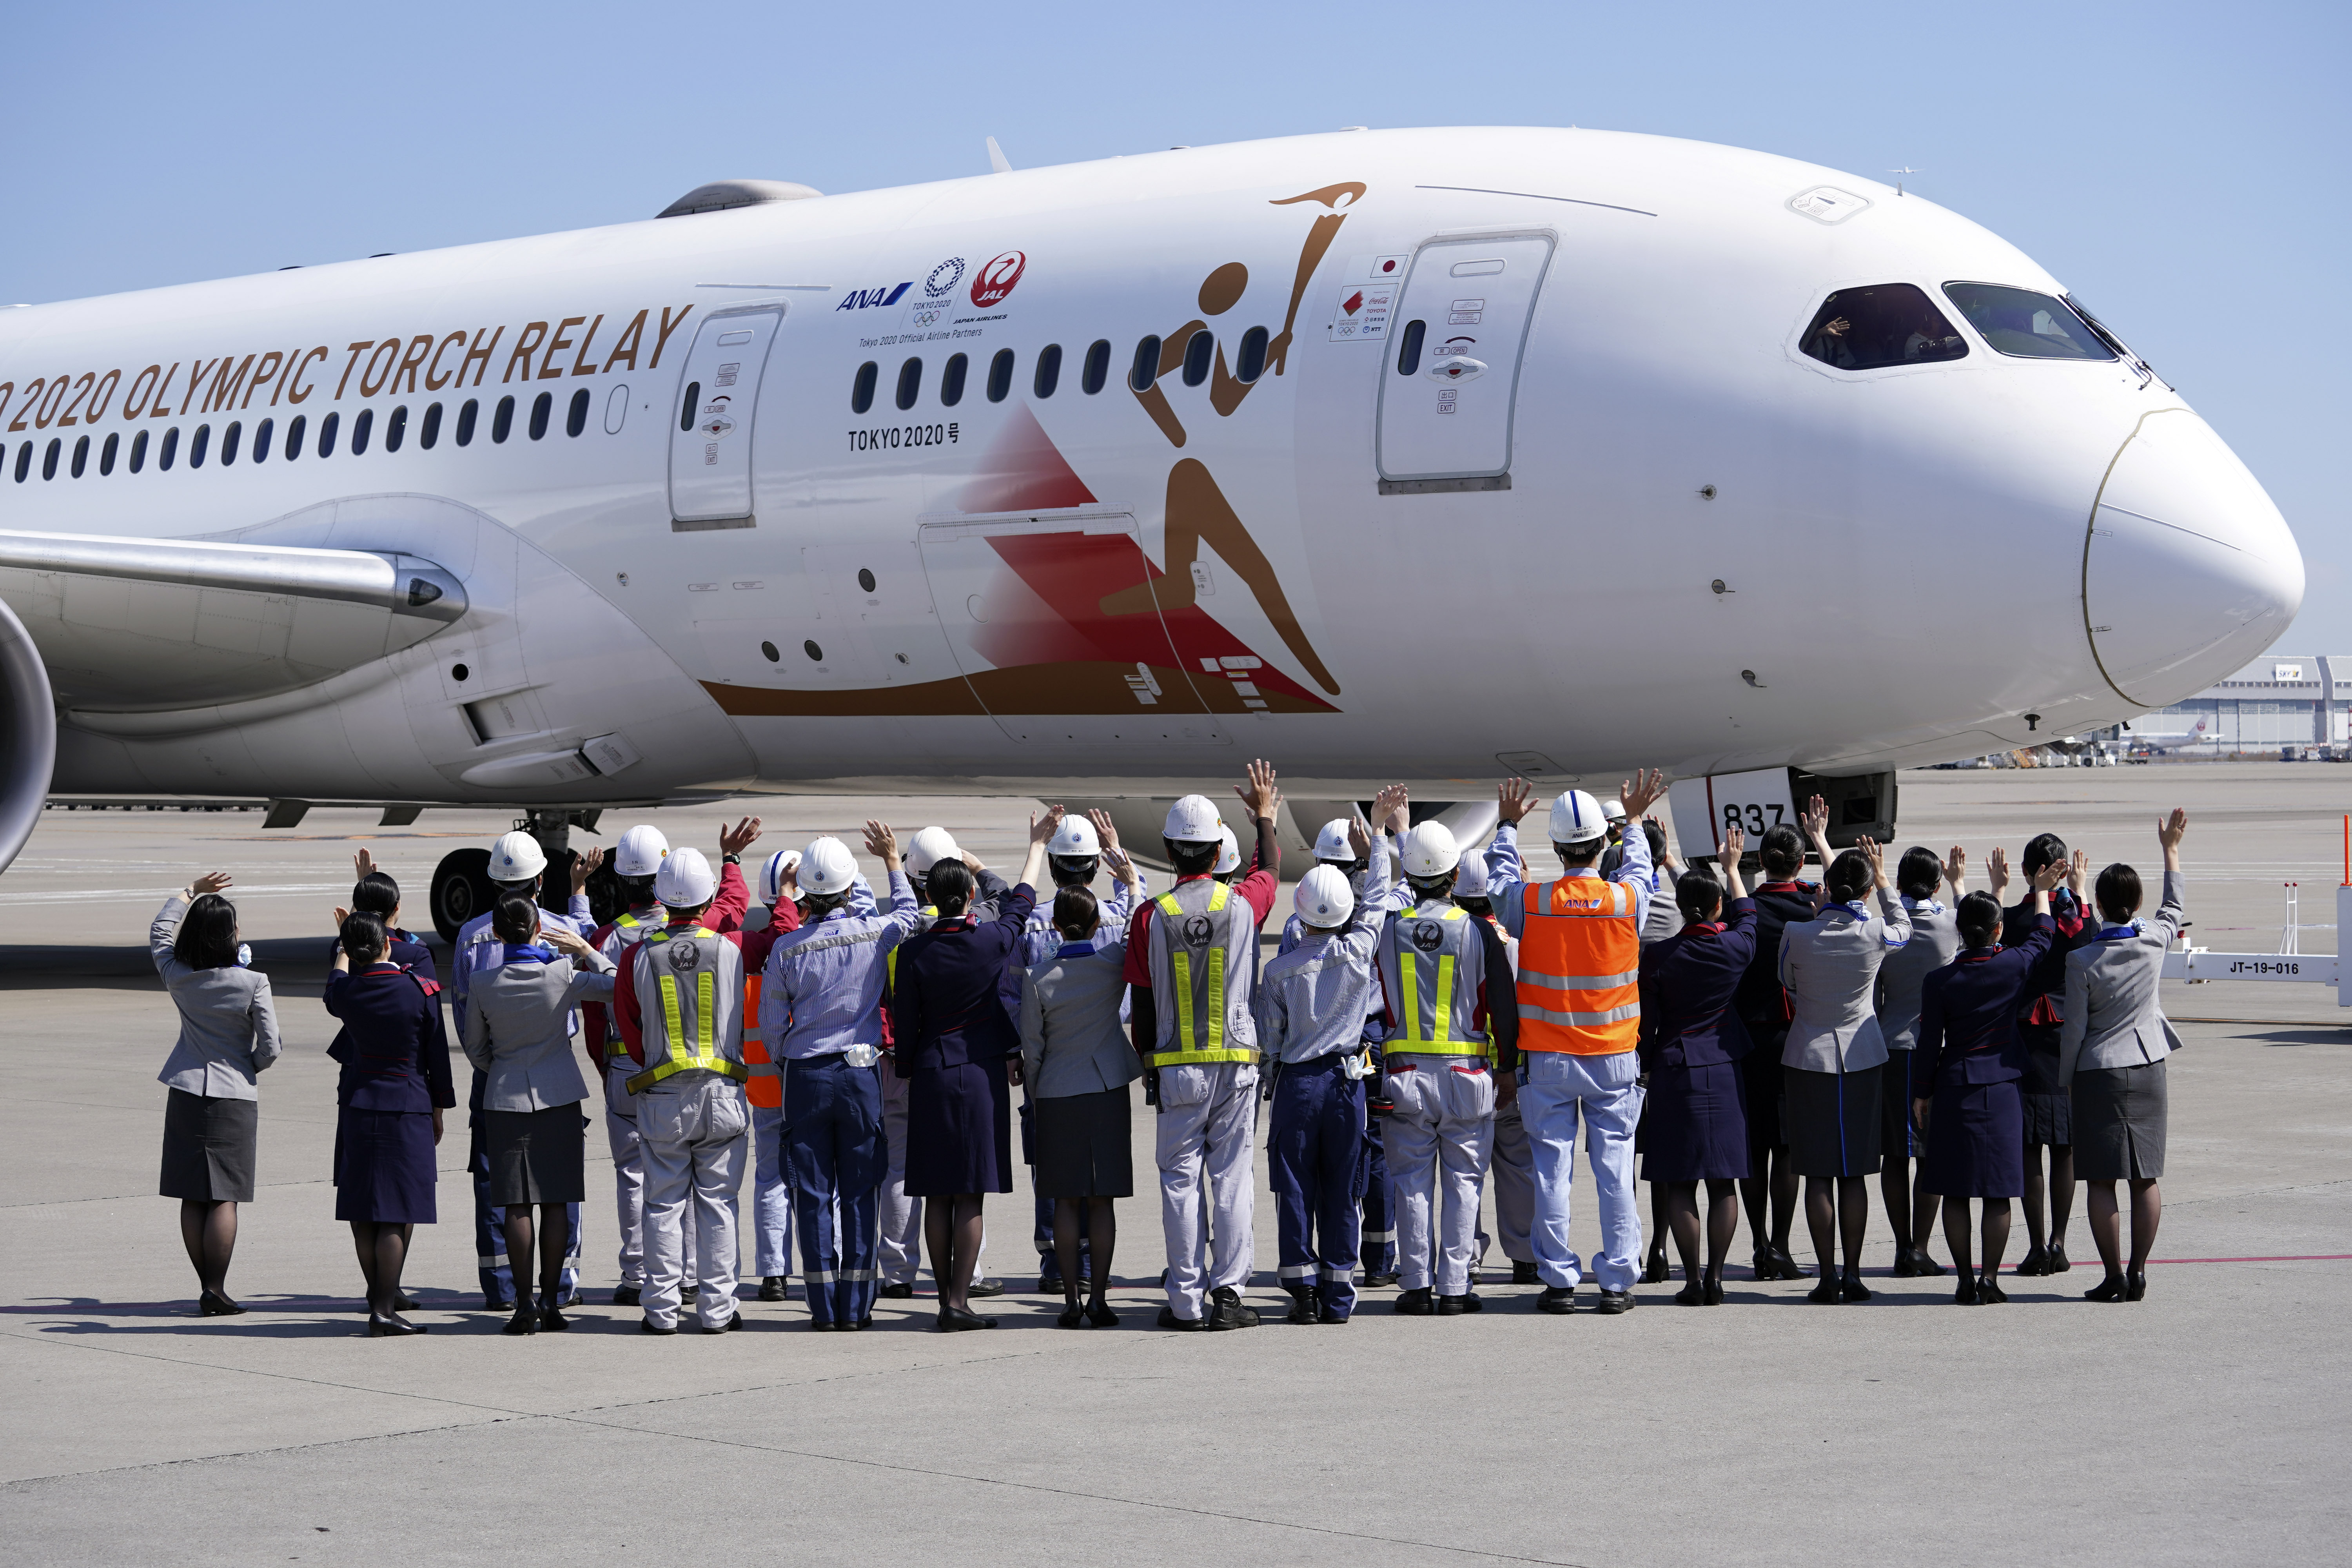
[
  {"x": 1886, "y": 324},
  {"x": 1049, "y": 371},
  {"x": 197, "y": 444},
  {"x": 105, "y": 454},
  {"x": 1145, "y": 369},
  {"x": 1251, "y": 364},
  {"x": 294, "y": 428},
  {"x": 326, "y": 429},
  {"x": 861, "y": 390},
  {"x": 910, "y": 383},
  {"x": 466, "y": 416},
  {"x": 540, "y": 406},
  {"x": 1409, "y": 348},
  {"x": 229, "y": 438},
  {"x": 362, "y": 423},
  {"x": 25, "y": 460},
  {"x": 49, "y": 458},
  {"x": 951, "y": 377},
  {"x": 2020, "y": 323},
  {"x": 261, "y": 440},
  {"x": 171, "y": 450},
  {"x": 138, "y": 455},
  {"x": 501, "y": 420},
  {"x": 431, "y": 431},
  {"x": 575, "y": 418},
  {"x": 1197, "y": 349},
  {"x": 81, "y": 457},
  {"x": 1000, "y": 375},
  {"x": 395, "y": 430},
  {"x": 1097, "y": 370}
]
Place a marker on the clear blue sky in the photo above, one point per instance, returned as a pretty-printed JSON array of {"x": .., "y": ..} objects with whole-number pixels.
[{"x": 2183, "y": 168}]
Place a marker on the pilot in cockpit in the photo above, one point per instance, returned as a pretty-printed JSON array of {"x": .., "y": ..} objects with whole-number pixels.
[{"x": 1932, "y": 339}]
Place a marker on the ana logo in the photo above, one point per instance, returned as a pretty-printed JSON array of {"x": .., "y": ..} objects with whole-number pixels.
[
  {"x": 1196, "y": 931},
  {"x": 1426, "y": 936},
  {"x": 944, "y": 278},
  {"x": 995, "y": 280},
  {"x": 868, "y": 299}
]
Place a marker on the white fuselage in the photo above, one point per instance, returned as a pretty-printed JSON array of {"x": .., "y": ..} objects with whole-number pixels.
[{"x": 1714, "y": 553}]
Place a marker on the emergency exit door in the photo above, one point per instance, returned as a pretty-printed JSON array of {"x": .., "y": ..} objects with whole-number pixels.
[
  {"x": 1452, "y": 376},
  {"x": 711, "y": 430}
]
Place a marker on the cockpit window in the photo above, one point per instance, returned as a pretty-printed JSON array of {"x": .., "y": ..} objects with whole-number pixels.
[
  {"x": 1885, "y": 324},
  {"x": 2029, "y": 325}
]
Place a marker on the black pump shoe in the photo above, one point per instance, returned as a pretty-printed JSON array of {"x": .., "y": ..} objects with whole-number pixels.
[
  {"x": 1071, "y": 1317},
  {"x": 1691, "y": 1295},
  {"x": 2111, "y": 1288},
  {"x": 2134, "y": 1286},
  {"x": 1853, "y": 1290},
  {"x": 1964, "y": 1294},
  {"x": 956, "y": 1321},
  {"x": 216, "y": 1304},
  {"x": 1654, "y": 1269},
  {"x": 524, "y": 1322},
  {"x": 1786, "y": 1265},
  {"x": 380, "y": 1327},
  {"x": 1711, "y": 1293},
  {"x": 1926, "y": 1267},
  {"x": 2057, "y": 1262},
  {"x": 2035, "y": 1264},
  {"x": 1826, "y": 1293},
  {"x": 1099, "y": 1314},
  {"x": 1989, "y": 1290}
]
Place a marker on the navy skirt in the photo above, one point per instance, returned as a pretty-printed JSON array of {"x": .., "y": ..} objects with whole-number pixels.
[
  {"x": 1831, "y": 1120},
  {"x": 1976, "y": 1142},
  {"x": 958, "y": 1129},
  {"x": 384, "y": 1166},
  {"x": 1897, "y": 1139},
  {"x": 1696, "y": 1120}
]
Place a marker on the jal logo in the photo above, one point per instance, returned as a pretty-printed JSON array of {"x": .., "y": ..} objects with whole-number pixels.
[
  {"x": 682, "y": 955},
  {"x": 870, "y": 299},
  {"x": 1426, "y": 936},
  {"x": 943, "y": 278},
  {"x": 1197, "y": 931},
  {"x": 995, "y": 280}
]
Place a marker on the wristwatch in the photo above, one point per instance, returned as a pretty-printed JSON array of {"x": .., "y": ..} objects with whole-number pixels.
[{"x": 731, "y": 859}]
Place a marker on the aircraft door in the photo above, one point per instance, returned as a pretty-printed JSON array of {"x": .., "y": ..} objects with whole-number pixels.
[
  {"x": 1024, "y": 607},
  {"x": 1452, "y": 369},
  {"x": 710, "y": 432}
]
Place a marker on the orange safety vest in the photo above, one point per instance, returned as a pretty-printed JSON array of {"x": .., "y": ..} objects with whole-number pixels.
[
  {"x": 766, "y": 1086},
  {"x": 1579, "y": 968}
]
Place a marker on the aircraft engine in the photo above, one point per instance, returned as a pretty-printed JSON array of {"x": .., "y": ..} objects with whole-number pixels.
[{"x": 28, "y": 735}]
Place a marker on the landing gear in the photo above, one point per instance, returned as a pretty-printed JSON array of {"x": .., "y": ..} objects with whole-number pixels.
[{"x": 461, "y": 890}]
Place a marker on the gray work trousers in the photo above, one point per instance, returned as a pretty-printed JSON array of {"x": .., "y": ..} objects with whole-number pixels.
[
  {"x": 629, "y": 1173},
  {"x": 1512, "y": 1176},
  {"x": 1438, "y": 1140},
  {"x": 695, "y": 1142},
  {"x": 1208, "y": 1112},
  {"x": 902, "y": 1249}
]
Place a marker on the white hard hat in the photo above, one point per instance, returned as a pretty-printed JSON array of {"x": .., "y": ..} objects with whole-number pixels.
[
  {"x": 1430, "y": 850},
  {"x": 516, "y": 858},
  {"x": 1076, "y": 836},
  {"x": 1324, "y": 899},
  {"x": 1229, "y": 858},
  {"x": 1193, "y": 820},
  {"x": 1470, "y": 878},
  {"x": 772, "y": 874},
  {"x": 1576, "y": 818},
  {"x": 685, "y": 880},
  {"x": 639, "y": 853},
  {"x": 828, "y": 867},
  {"x": 1613, "y": 809},
  {"x": 1333, "y": 844},
  {"x": 930, "y": 847}
]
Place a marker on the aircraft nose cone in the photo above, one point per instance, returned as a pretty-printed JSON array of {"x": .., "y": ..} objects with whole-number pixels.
[{"x": 2190, "y": 571}]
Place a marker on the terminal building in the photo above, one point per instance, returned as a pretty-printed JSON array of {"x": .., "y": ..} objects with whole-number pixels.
[{"x": 2278, "y": 701}]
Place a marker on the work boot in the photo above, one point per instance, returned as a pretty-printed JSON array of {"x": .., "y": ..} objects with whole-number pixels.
[
  {"x": 690, "y": 1291},
  {"x": 898, "y": 1290},
  {"x": 1455, "y": 1306},
  {"x": 1169, "y": 1320},
  {"x": 626, "y": 1295},
  {"x": 650, "y": 1326},
  {"x": 1049, "y": 1275},
  {"x": 1302, "y": 1306},
  {"x": 1613, "y": 1302},
  {"x": 1379, "y": 1281},
  {"x": 1226, "y": 1310},
  {"x": 1523, "y": 1272},
  {"x": 988, "y": 1288},
  {"x": 1558, "y": 1300},
  {"x": 729, "y": 1327},
  {"x": 1416, "y": 1302},
  {"x": 771, "y": 1288}
]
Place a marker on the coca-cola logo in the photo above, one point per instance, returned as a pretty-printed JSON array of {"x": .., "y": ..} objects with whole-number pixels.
[{"x": 996, "y": 279}]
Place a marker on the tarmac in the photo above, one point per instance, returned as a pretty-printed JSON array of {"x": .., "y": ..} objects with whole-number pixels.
[{"x": 2206, "y": 1424}]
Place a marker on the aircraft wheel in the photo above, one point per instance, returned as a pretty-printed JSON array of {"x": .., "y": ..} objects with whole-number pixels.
[{"x": 461, "y": 890}]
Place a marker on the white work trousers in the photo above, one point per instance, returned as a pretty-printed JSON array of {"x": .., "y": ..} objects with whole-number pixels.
[
  {"x": 694, "y": 1142},
  {"x": 1511, "y": 1173},
  {"x": 1208, "y": 1111},
  {"x": 629, "y": 1175},
  {"x": 1438, "y": 1140},
  {"x": 771, "y": 1196},
  {"x": 901, "y": 1253},
  {"x": 1604, "y": 1092}
]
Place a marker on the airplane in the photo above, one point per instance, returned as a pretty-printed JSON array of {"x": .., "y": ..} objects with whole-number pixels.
[
  {"x": 1432, "y": 453},
  {"x": 2142, "y": 748}
]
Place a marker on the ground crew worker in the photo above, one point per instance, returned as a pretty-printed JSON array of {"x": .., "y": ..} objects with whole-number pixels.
[
  {"x": 1450, "y": 1033},
  {"x": 1310, "y": 1010},
  {"x": 822, "y": 995},
  {"x": 637, "y": 855},
  {"x": 1511, "y": 1172},
  {"x": 1190, "y": 959},
  {"x": 1580, "y": 1019},
  {"x": 518, "y": 865},
  {"x": 679, "y": 1002},
  {"x": 1079, "y": 848},
  {"x": 772, "y": 1197}
]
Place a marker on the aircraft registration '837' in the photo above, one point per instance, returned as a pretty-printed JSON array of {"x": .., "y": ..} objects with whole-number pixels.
[{"x": 1426, "y": 453}]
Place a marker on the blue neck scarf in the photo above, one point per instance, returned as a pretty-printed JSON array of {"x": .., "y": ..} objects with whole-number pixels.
[
  {"x": 533, "y": 953},
  {"x": 1078, "y": 949}
]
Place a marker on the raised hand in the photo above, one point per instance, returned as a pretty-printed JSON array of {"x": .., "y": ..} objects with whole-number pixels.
[
  {"x": 1516, "y": 798},
  {"x": 1875, "y": 853},
  {"x": 1105, "y": 833},
  {"x": 1997, "y": 871},
  {"x": 362, "y": 866},
  {"x": 584, "y": 867},
  {"x": 735, "y": 839},
  {"x": 2078, "y": 874},
  {"x": 211, "y": 882},
  {"x": 1260, "y": 794},
  {"x": 1955, "y": 869},
  {"x": 1359, "y": 837},
  {"x": 1390, "y": 808},
  {"x": 2170, "y": 832},
  {"x": 563, "y": 942},
  {"x": 1735, "y": 844},
  {"x": 1642, "y": 791},
  {"x": 1042, "y": 828},
  {"x": 1816, "y": 823},
  {"x": 883, "y": 843},
  {"x": 341, "y": 914},
  {"x": 2050, "y": 876}
]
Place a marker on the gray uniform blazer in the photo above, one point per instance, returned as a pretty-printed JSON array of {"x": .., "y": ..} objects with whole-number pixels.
[
  {"x": 1830, "y": 966},
  {"x": 2113, "y": 1018},
  {"x": 1935, "y": 943},
  {"x": 228, "y": 1030},
  {"x": 519, "y": 1031},
  {"x": 1071, "y": 1040}
]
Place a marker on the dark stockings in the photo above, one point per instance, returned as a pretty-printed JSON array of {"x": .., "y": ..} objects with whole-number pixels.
[
  {"x": 1782, "y": 1190},
  {"x": 1910, "y": 1206},
  {"x": 1722, "y": 1225},
  {"x": 1996, "y": 1233},
  {"x": 2060, "y": 1188},
  {"x": 2107, "y": 1224},
  {"x": 555, "y": 1240},
  {"x": 384, "y": 1251},
  {"x": 1836, "y": 1219},
  {"x": 1101, "y": 1232},
  {"x": 209, "y": 1232},
  {"x": 951, "y": 1229}
]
